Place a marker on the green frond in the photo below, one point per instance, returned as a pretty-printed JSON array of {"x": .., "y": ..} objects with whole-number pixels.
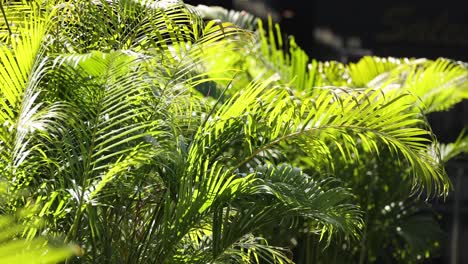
[
  {"x": 113, "y": 124},
  {"x": 437, "y": 85},
  {"x": 323, "y": 202},
  {"x": 178, "y": 43},
  {"x": 283, "y": 193},
  {"x": 265, "y": 118},
  {"x": 250, "y": 249},
  {"x": 28, "y": 251},
  {"x": 241, "y": 19},
  {"x": 369, "y": 68},
  {"x": 14, "y": 249},
  {"x": 452, "y": 150},
  {"x": 276, "y": 55},
  {"x": 142, "y": 128},
  {"x": 23, "y": 116}
]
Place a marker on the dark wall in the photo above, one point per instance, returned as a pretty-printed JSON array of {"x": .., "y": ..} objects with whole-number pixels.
[
  {"x": 401, "y": 28},
  {"x": 418, "y": 28}
]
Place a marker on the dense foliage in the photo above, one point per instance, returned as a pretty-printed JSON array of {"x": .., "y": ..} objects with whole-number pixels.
[{"x": 158, "y": 132}]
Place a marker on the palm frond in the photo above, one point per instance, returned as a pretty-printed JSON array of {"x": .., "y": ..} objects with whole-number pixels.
[
  {"x": 452, "y": 150},
  {"x": 248, "y": 249},
  {"x": 438, "y": 85},
  {"x": 23, "y": 116},
  {"x": 273, "y": 116},
  {"x": 286, "y": 193},
  {"x": 369, "y": 68},
  {"x": 14, "y": 249},
  {"x": 110, "y": 126},
  {"x": 28, "y": 251},
  {"x": 146, "y": 129},
  {"x": 228, "y": 213},
  {"x": 275, "y": 54},
  {"x": 179, "y": 42},
  {"x": 239, "y": 18}
]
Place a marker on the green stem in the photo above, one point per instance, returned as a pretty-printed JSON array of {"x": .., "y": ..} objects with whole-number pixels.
[
  {"x": 363, "y": 248},
  {"x": 4, "y": 16}
]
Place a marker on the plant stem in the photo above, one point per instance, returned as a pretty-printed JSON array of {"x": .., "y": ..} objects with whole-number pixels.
[
  {"x": 4, "y": 16},
  {"x": 363, "y": 249}
]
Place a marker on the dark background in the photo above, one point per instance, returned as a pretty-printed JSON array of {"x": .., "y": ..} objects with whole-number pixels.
[{"x": 347, "y": 30}]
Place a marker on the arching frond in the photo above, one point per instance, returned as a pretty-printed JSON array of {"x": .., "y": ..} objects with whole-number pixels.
[
  {"x": 369, "y": 68},
  {"x": 243, "y": 205},
  {"x": 27, "y": 251},
  {"x": 268, "y": 118},
  {"x": 284, "y": 57},
  {"x": 285, "y": 193},
  {"x": 14, "y": 249},
  {"x": 111, "y": 124},
  {"x": 240, "y": 18},
  {"x": 452, "y": 150},
  {"x": 247, "y": 250},
  {"x": 438, "y": 84},
  {"x": 145, "y": 128},
  {"x": 23, "y": 116}
]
